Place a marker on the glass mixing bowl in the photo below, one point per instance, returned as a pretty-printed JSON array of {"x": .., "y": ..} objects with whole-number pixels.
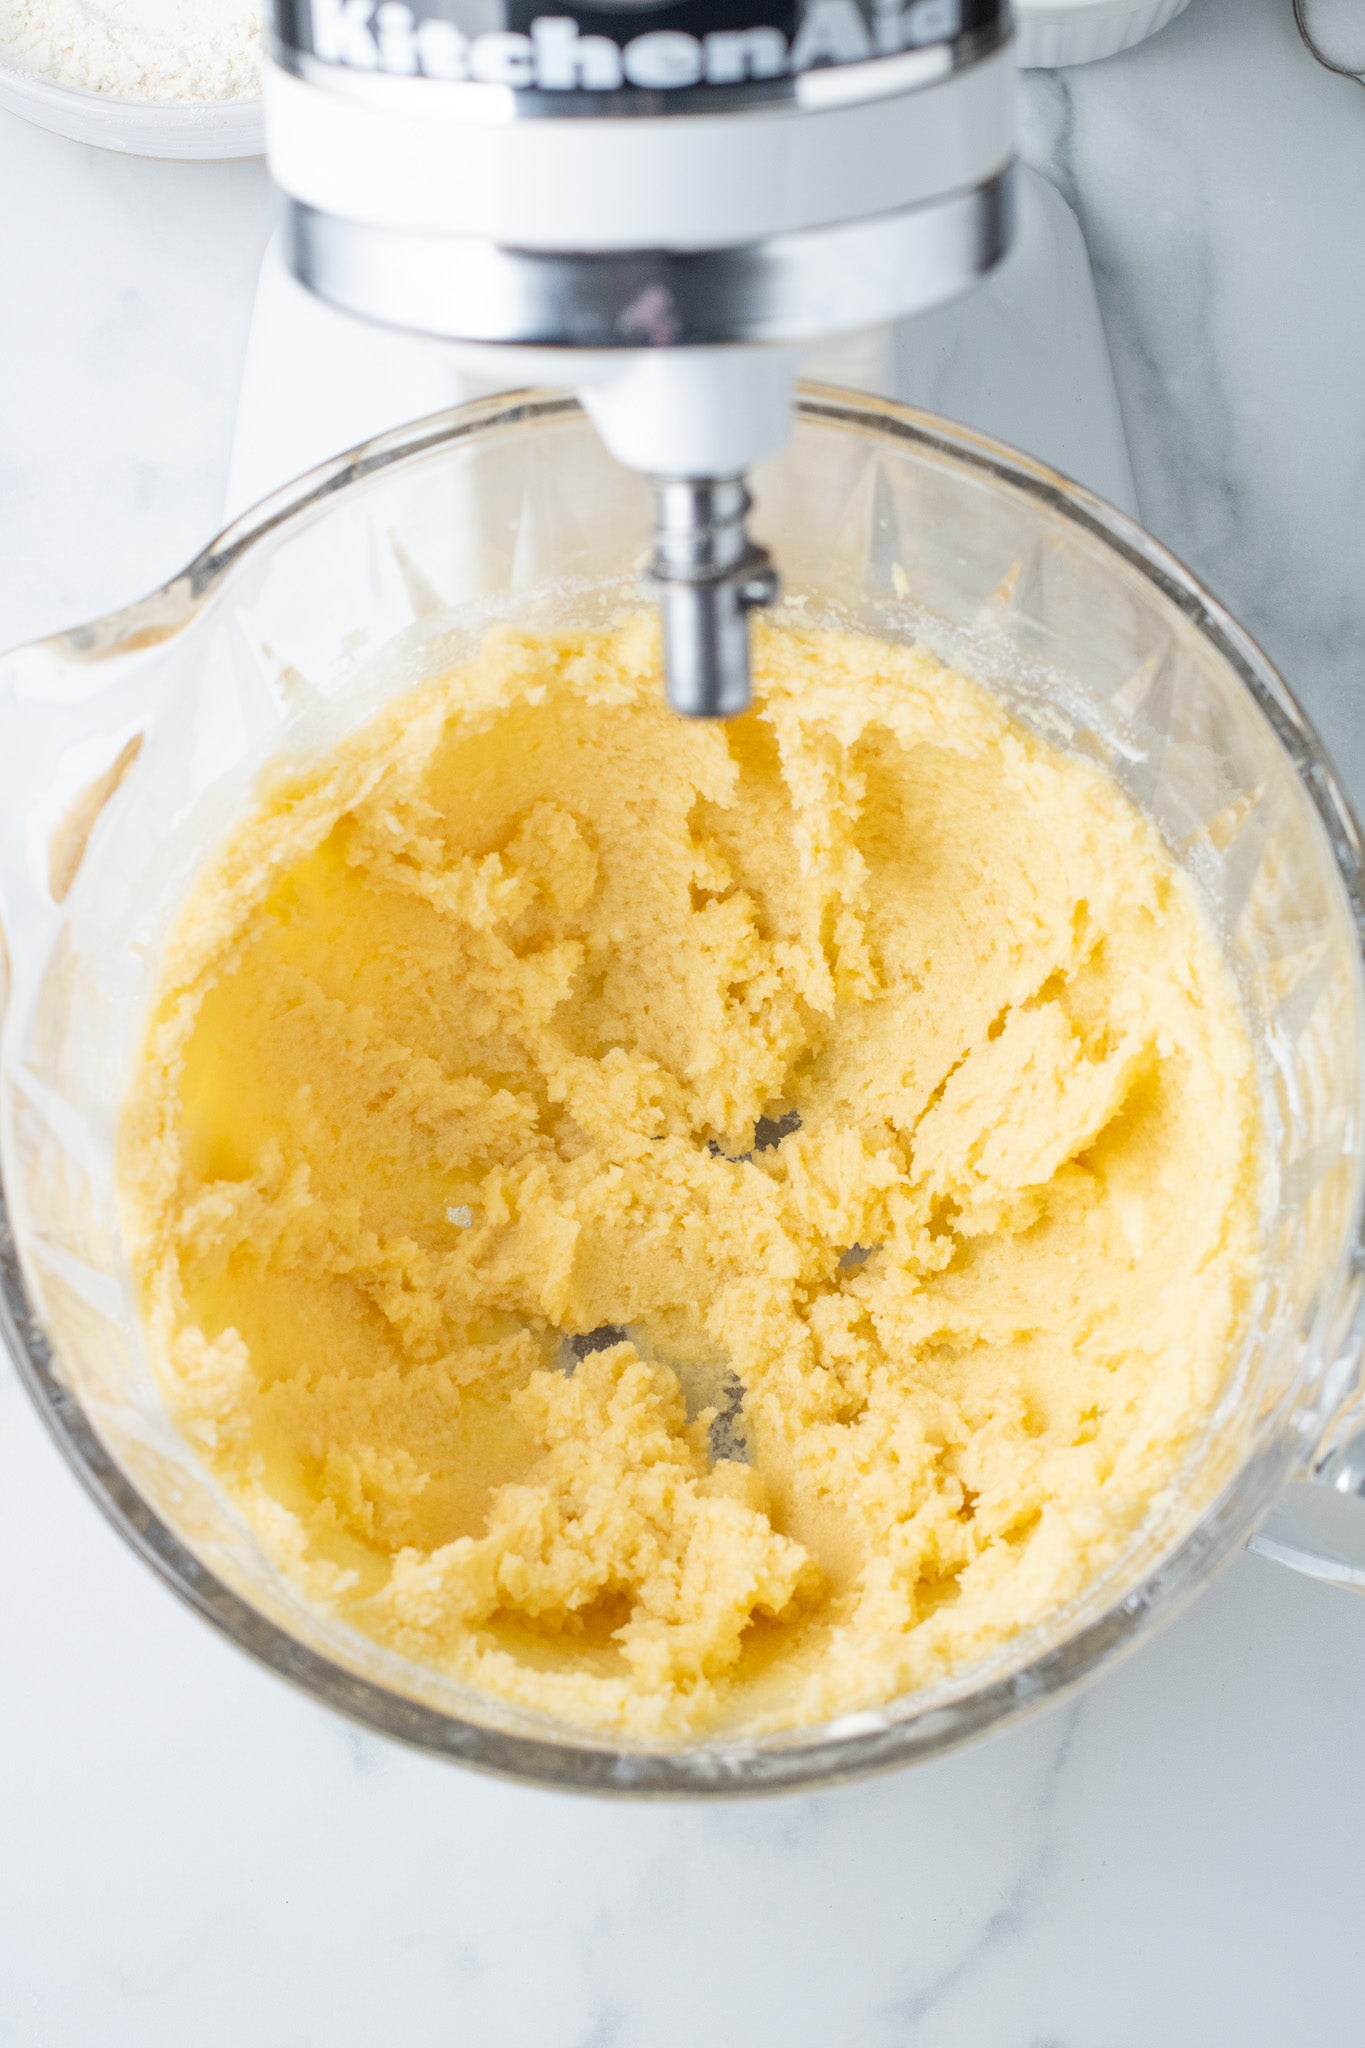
[{"x": 131, "y": 744}]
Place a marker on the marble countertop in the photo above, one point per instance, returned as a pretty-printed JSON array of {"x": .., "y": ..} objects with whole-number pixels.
[{"x": 194, "y": 1855}]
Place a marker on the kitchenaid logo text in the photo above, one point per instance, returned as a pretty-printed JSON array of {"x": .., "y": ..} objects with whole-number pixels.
[{"x": 393, "y": 37}]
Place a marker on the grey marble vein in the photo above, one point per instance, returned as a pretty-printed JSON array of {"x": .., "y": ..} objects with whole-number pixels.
[
  {"x": 1009, "y": 1921},
  {"x": 1209, "y": 170}
]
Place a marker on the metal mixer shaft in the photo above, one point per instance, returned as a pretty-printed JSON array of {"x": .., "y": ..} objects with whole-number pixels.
[{"x": 708, "y": 574}]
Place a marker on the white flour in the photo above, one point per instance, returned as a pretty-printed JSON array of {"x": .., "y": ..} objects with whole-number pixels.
[{"x": 138, "y": 49}]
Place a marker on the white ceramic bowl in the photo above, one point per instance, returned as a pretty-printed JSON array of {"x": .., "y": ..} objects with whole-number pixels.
[
  {"x": 1054, "y": 32},
  {"x": 206, "y": 129}
]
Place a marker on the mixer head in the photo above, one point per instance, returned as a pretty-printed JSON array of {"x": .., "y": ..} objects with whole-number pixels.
[{"x": 661, "y": 203}]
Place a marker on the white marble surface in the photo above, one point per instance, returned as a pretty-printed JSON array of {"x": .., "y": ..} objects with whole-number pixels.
[{"x": 193, "y": 1857}]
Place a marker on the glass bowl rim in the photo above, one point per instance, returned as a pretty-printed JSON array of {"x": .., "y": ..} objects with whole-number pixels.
[{"x": 829, "y": 1755}]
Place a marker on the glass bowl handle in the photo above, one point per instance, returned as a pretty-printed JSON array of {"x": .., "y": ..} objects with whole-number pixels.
[{"x": 1317, "y": 1526}]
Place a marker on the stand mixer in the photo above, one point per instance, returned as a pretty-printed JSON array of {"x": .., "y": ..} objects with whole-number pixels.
[
  {"x": 664, "y": 205},
  {"x": 212, "y": 675}
]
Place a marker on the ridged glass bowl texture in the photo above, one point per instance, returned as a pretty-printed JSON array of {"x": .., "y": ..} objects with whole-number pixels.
[{"x": 349, "y": 586}]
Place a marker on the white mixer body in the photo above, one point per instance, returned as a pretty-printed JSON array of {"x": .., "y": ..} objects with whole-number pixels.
[{"x": 408, "y": 157}]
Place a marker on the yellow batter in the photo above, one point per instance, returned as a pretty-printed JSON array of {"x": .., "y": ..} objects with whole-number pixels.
[{"x": 687, "y": 1224}]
